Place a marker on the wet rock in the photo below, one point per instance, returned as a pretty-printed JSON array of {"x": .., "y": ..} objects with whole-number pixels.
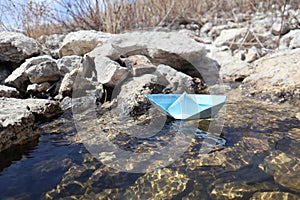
[
  {"x": 274, "y": 196},
  {"x": 231, "y": 158},
  {"x": 279, "y": 28},
  {"x": 18, "y": 118},
  {"x": 6, "y": 91},
  {"x": 109, "y": 72},
  {"x": 75, "y": 182},
  {"x": 170, "y": 48},
  {"x": 46, "y": 71},
  {"x": 238, "y": 190},
  {"x": 139, "y": 65},
  {"x": 284, "y": 168},
  {"x": 82, "y": 42},
  {"x": 256, "y": 145},
  {"x": 160, "y": 184},
  {"x": 19, "y": 78},
  {"x": 67, "y": 63},
  {"x": 276, "y": 77},
  {"x": 16, "y": 47}
]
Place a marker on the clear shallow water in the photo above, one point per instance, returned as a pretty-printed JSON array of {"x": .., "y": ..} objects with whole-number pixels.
[{"x": 260, "y": 159}]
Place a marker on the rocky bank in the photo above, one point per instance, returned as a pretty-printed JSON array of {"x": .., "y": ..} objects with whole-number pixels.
[
  {"x": 250, "y": 58},
  {"x": 125, "y": 67}
]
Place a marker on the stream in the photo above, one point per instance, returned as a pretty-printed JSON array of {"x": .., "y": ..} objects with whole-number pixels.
[{"x": 256, "y": 155}]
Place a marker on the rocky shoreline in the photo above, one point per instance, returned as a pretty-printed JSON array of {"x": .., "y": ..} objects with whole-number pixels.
[{"x": 38, "y": 78}]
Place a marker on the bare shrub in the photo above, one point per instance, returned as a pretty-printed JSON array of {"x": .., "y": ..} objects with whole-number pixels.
[{"x": 115, "y": 16}]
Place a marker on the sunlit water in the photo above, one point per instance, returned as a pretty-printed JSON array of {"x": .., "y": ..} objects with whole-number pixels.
[{"x": 260, "y": 159}]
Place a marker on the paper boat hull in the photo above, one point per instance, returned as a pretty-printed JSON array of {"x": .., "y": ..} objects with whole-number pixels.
[{"x": 188, "y": 106}]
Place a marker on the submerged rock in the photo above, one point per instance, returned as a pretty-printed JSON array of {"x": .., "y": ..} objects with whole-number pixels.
[
  {"x": 18, "y": 117},
  {"x": 160, "y": 184},
  {"x": 274, "y": 196},
  {"x": 284, "y": 168}
]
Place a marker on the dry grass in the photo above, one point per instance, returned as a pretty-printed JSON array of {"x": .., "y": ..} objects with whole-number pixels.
[{"x": 116, "y": 16}]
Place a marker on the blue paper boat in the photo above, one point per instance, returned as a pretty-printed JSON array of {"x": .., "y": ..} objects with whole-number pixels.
[{"x": 188, "y": 106}]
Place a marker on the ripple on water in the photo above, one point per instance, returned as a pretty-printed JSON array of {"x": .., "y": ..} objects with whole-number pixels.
[{"x": 260, "y": 159}]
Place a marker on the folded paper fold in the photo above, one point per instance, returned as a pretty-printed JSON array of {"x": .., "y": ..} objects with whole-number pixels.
[{"x": 188, "y": 106}]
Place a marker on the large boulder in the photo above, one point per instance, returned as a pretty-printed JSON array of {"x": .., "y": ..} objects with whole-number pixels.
[
  {"x": 275, "y": 77},
  {"x": 16, "y": 47},
  {"x": 174, "y": 49},
  {"x": 18, "y": 117},
  {"x": 284, "y": 168},
  {"x": 19, "y": 78},
  {"x": 82, "y": 42}
]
